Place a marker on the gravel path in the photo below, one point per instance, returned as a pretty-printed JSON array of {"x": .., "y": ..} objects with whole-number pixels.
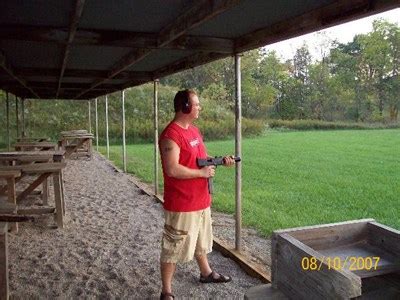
[{"x": 109, "y": 247}]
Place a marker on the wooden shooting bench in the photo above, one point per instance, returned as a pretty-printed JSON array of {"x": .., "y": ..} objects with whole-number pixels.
[
  {"x": 35, "y": 146},
  {"x": 40, "y": 172},
  {"x": 357, "y": 259},
  {"x": 76, "y": 142},
  {"x": 32, "y": 157}
]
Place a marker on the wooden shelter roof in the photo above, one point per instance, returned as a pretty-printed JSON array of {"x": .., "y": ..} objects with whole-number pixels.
[{"x": 82, "y": 49}]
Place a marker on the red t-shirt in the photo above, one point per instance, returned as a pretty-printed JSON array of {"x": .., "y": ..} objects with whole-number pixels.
[{"x": 184, "y": 195}]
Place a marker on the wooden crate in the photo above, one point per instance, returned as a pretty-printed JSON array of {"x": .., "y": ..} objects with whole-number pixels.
[{"x": 332, "y": 261}]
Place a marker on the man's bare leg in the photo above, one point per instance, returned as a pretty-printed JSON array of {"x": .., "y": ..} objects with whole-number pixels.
[
  {"x": 167, "y": 273},
  {"x": 204, "y": 267}
]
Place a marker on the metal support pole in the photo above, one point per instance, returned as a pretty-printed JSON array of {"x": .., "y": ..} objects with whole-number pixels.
[
  {"x": 8, "y": 121},
  {"x": 108, "y": 142},
  {"x": 123, "y": 131},
  {"x": 23, "y": 116},
  {"x": 155, "y": 110},
  {"x": 238, "y": 152},
  {"x": 90, "y": 121},
  {"x": 97, "y": 126},
  {"x": 17, "y": 115}
]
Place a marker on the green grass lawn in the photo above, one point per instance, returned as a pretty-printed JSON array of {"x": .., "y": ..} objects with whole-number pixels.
[{"x": 294, "y": 179}]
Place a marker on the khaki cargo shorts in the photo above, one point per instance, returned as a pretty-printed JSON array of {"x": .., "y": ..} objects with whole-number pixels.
[{"x": 186, "y": 234}]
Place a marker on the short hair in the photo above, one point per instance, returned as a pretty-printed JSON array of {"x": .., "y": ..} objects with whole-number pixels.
[{"x": 182, "y": 98}]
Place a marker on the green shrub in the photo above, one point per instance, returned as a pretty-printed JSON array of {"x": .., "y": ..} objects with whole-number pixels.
[{"x": 322, "y": 125}]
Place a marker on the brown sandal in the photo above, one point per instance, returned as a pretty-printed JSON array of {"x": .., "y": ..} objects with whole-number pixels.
[
  {"x": 211, "y": 278},
  {"x": 166, "y": 295}
]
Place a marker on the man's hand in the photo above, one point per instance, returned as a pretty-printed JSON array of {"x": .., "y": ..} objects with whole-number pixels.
[
  {"x": 229, "y": 161},
  {"x": 208, "y": 171}
]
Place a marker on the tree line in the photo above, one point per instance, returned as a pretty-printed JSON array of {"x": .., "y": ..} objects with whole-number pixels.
[{"x": 356, "y": 81}]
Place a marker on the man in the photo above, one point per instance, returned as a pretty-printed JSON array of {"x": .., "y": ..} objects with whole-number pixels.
[{"x": 187, "y": 230}]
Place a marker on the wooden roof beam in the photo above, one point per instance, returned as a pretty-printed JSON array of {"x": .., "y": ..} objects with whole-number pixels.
[
  {"x": 194, "y": 16},
  {"x": 96, "y": 37},
  {"x": 73, "y": 26},
  {"x": 181, "y": 64},
  {"x": 333, "y": 14},
  {"x": 39, "y": 85},
  {"x": 9, "y": 70},
  {"x": 78, "y": 73}
]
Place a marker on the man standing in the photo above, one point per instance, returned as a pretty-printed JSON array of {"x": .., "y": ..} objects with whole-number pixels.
[{"x": 187, "y": 230}]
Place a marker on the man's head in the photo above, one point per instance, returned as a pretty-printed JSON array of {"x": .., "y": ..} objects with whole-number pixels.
[{"x": 187, "y": 103}]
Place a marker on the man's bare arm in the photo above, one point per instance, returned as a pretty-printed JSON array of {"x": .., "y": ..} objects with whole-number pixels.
[{"x": 170, "y": 156}]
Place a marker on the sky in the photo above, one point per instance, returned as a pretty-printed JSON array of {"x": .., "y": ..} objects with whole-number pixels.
[{"x": 343, "y": 33}]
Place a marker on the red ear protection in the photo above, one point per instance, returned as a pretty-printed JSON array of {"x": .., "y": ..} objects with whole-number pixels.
[{"x": 186, "y": 106}]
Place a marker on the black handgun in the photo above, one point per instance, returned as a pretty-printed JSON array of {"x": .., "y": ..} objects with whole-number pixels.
[{"x": 213, "y": 161}]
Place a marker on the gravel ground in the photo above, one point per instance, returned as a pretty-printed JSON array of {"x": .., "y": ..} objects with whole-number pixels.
[{"x": 110, "y": 245}]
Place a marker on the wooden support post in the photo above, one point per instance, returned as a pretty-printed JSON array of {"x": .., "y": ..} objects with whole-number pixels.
[
  {"x": 58, "y": 200},
  {"x": 45, "y": 192},
  {"x": 155, "y": 111},
  {"x": 12, "y": 198},
  {"x": 8, "y": 121},
  {"x": 123, "y": 131},
  {"x": 90, "y": 121},
  {"x": 17, "y": 115},
  {"x": 238, "y": 152},
  {"x": 23, "y": 116},
  {"x": 3, "y": 261},
  {"x": 107, "y": 138},
  {"x": 97, "y": 126}
]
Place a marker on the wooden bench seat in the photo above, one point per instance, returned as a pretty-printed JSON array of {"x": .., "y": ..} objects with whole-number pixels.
[{"x": 36, "y": 168}]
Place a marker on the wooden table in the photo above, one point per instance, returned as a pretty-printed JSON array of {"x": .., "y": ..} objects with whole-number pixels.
[
  {"x": 41, "y": 171},
  {"x": 35, "y": 146},
  {"x": 77, "y": 143}
]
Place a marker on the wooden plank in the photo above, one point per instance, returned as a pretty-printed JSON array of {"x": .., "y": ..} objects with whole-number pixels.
[
  {"x": 35, "y": 144},
  {"x": 113, "y": 38},
  {"x": 361, "y": 251},
  {"x": 15, "y": 218},
  {"x": 4, "y": 284},
  {"x": 324, "y": 283},
  {"x": 43, "y": 167},
  {"x": 12, "y": 199},
  {"x": 384, "y": 237},
  {"x": 58, "y": 200},
  {"x": 30, "y": 153},
  {"x": 4, "y": 173},
  {"x": 73, "y": 26},
  {"x": 330, "y": 235},
  {"x": 80, "y": 73},
  {"x": 7, "y": 207},
  {"x": 249, "y": 267},
  {"x": 33, "y": 186},
  {"x": 45, "y": 192},
  {"x": 36, "y": 210}
]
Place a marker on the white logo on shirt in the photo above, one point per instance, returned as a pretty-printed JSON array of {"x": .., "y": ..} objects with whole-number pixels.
[{"x": 194, "y": 142}]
